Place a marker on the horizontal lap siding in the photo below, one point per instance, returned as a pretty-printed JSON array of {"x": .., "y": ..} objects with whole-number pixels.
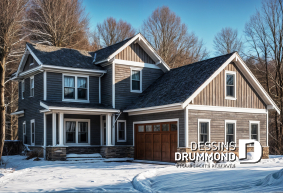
[
  {"x": 123, "y": 94},
  {"x": 134, "y": 52},
  {"x": 31, "y": 106},
  {"x": 158, "y": 116},
  {"x": 214, "y": 93},
  {"x": 218, "y": 124},
  {"x": 106, "y": 86}
]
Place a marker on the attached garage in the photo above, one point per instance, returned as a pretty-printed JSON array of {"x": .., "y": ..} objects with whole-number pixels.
[{"x": 156, "y": 141}]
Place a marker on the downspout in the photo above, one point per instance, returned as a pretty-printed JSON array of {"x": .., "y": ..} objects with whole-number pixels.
[{"x": 113, "y": 126}]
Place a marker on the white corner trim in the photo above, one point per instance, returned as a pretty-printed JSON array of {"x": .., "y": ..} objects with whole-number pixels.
[
  {"x": 267, "y": 129},
  {"x": 235, "y": 85},
  {"x": 209, "y": 80},
  {"x": 122, "y": 121},
  {"x": 45, "y": 85},
  {"x": 186, "y": 126},
  {"x": 157, "y": 121},
  {"x": 135, "y": 64},
  {"x": 258, "y": 129},
  {"x": 226, "y": 109},
  {"x": 44, "y": 136},
  {"x": 32, "y": 121},
  {"x": 209, "y": 129},
  {"x": 235, "y": 129}
]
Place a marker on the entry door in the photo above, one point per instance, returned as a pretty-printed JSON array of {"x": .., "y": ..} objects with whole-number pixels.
[{"x": 156, "y": 141}]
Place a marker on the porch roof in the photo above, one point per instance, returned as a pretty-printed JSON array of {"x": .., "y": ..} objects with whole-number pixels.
[{"x": 76, "y": 106}]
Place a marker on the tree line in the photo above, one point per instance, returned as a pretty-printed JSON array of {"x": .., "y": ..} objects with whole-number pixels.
[{"x": 66, "y": 24}]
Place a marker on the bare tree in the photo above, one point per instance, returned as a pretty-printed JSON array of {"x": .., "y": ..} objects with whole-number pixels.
[
  {"x": 11, "y": 14},
  {"x": 58, "y": 23},
  {"x": 264, "y": 33},
  {"x": 95, "y": 42},
  {"x": 227, "y": 41},
  {"x": 112, "y": 31},
  {"x": 171, "y": 39}
]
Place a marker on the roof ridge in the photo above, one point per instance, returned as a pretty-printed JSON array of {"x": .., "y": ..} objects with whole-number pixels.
[
  {"x": 204, "y": 60},
  {"x": 57, "y": 47}
]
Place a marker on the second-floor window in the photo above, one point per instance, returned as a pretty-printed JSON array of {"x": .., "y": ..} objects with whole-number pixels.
[
  {"x": 32, "y": 86},
  {"x": 23, "y": 89},
  {"x": 230, "y": 85},
  {"x": 75, "y": 88},
  {"x": 136, "y": 80}
]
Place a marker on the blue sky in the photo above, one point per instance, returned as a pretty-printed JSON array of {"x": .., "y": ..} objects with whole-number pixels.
[{"x": 204, "y": 17}]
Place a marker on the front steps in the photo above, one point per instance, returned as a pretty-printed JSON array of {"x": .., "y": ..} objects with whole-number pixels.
[{"x": 84, "y": 157}]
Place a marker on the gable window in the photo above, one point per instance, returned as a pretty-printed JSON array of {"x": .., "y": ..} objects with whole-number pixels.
[
  {"x": 75, "y": 88},
  {"x": 121, "y": 131},
  {"x": 32, "y": 131},
  {"x": 77, "y": 131},
  {"x": 136, "y": 80},
  {"x": 23, "y": 89},
  {"x": 204, "y": 130},
  {"x": 230, "y": 85},
  {"x": 24, "y": 133},
  {"x": 230, "y": 131},
  {"x": 254, "y": 130},
  {"x": 32, "y": 86}
]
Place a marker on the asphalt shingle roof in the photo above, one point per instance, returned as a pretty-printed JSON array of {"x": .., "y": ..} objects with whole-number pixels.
[
  {"x": 177, "y": 85},
  {"x": 66, "y": 57},
  {"x": 76, "y": 105}
]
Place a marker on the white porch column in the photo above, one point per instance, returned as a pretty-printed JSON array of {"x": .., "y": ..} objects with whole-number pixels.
[
  {"x": 44, "y": 135},
  {"x": 61, "y": 129},
  {"x": 108, "y": 129},
  {"x": 54, "y": 129},
  {"x": 113, "y": 129}
]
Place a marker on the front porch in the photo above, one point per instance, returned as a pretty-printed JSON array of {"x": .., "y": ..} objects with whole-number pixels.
[{"x": 71, "y": 130}]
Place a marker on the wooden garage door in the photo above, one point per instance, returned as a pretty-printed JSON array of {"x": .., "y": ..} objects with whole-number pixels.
[{"x": 156, "y": 141}]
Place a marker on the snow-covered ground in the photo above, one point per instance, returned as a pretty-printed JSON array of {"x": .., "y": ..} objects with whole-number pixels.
[{"x": 32, "y": 176}]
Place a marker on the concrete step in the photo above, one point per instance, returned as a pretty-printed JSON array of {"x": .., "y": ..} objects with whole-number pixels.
[
  {"x": 74, "y": 155},
  {"x": 85, "y": 159}
]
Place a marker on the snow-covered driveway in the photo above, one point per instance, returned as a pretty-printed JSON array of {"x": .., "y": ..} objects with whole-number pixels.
[{"x": 33, "y": 176}]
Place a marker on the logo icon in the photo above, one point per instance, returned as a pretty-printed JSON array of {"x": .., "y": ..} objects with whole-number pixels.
[{"x": 257, "y": 155}]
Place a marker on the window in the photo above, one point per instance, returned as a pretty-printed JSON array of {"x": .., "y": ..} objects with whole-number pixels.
[
  {"x": 165, "y": 127},
  {"x": 32, "y": 128},
  {"x": 204, "y": 130},
  {"x": 230, "y": 131},
  {"x": 156, "y": 127},
  {"x": 77, "y": 131},
  {"x": 23, "y": 89},
  {"x": 141, "y": 128},
  {"x": 230, "y": 87},
  {"x": 148, "y": 128},
  {"x": 121, "y": 130},
  {"x": 32, "y": 86},
  {"x": 24, "y": 133},
  {"x": 254, "y": 130},
  {"x": 136, "y": 80},
  {"x": 75, "y": 88}
]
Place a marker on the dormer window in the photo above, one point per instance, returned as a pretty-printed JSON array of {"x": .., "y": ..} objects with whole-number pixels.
[
  {"x": 75, "y": 88},
  {"x": 230, "y": 85},
  {"x": 136, "y": 80}
]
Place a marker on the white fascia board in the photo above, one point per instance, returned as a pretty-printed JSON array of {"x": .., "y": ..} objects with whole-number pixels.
[
  {"x": 259, "y": 86},
  {"x": 18, "y": 112},
  {"x": 44, "y": 105},
  {"x": 226, "y": 109},
  {"x": 135, "y": 64},
  {"x": 208, "y": 80},
  {"x": 34, "y": 56},
  {"x": 31, "y": 71},
  {"x": 23, "y": 60},
  {"x": 83, "y": 109},
  {"x": 74, "y": 70}
]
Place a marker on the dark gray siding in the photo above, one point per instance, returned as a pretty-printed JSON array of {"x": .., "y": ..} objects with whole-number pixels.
[
  {"x": 28, "y": 62},
  {"x": 54, "y": 87},
  {"x": 157, "y": 116},
  {"x": 106, "y": 86},
  {"x": 31, "y": 106},
  {"x": 123, "y": 95},
  {"x": 49, "y": 129},
  {"x": 94, "y": 126}
]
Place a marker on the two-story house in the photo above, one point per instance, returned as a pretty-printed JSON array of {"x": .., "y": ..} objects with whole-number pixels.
[{"x": 124, "y": 101}]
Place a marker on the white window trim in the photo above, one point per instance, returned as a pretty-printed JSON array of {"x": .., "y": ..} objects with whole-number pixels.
[
  {"x": 122, "y": 121},
  {"x": 250, "y": 129},
  {"x": 22, "y": 91},
  {"x": 136, "y": 69},
  {"x": 201, "y": 121},
  {"x": 30, "y": 91},
  {"x": 77, "y": 132},
  {"x": 32, "y": 121},
  {"x": 24, "y": 133},
  {"x": 76, "y": 88},
  {"x": 235, "y": 85},
  {"x": 235, "y": 129}
]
